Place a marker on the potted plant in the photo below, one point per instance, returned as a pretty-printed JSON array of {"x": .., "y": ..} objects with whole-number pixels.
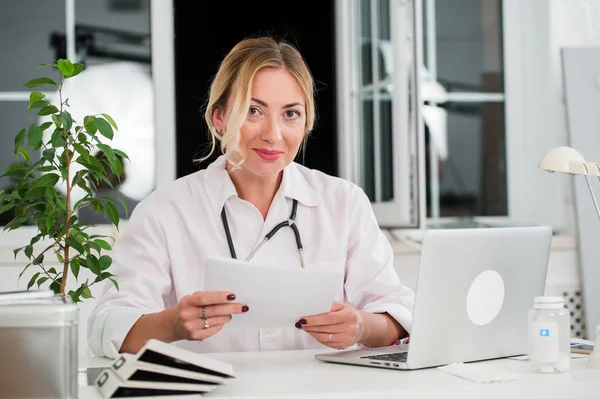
[{"x": 34, "y": 199}]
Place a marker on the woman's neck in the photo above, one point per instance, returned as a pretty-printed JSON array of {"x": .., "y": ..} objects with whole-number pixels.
[{"x": 258, "y": 190}]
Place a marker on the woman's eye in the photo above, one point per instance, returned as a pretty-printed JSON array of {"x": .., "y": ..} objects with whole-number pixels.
[
  {"x": 292, "y": 114},
  {"x": 253, "y": 111}
]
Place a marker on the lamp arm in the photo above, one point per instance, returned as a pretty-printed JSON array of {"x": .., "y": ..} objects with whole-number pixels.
[{"x": 592, "y": 193}]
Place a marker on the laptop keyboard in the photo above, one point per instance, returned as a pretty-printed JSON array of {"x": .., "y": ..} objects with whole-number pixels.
[{"x": 390, "y": 357}]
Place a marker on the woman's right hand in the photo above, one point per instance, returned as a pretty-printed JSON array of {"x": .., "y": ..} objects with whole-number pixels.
[{"x": 190, "y": 323}]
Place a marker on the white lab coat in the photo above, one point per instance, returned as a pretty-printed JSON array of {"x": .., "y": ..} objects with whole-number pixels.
[{"x": 160, "y": 257}]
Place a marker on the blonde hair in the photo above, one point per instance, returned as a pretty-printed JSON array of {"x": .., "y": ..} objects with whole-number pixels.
[{"x": 234, "y": 78}]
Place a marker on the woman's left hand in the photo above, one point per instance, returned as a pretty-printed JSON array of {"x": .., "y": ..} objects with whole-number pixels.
[{"x": 341, "y": 328}]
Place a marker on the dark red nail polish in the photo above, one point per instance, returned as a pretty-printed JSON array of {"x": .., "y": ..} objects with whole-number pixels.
[
  {"x": 302, "y": 321},
  {"x": 298, "y": 325},
  {"x": 245, "y": 308},
  {"x": 230, "y": 297}
]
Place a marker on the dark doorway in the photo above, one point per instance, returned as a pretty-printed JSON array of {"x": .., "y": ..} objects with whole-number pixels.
[{"x": 206, "y": 30}]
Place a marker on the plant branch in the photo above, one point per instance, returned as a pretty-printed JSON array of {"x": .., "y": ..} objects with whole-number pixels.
[{"x": 63, "y": 281}]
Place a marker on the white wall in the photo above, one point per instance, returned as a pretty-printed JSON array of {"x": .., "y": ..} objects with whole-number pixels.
[{"x": 538, "y": 29}]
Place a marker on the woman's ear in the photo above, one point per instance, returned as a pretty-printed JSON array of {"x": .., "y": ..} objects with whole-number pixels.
[{"x": 218, "y": 119}]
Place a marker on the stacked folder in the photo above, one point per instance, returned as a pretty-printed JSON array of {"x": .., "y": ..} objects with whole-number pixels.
[{"x": 161, "y": 369}]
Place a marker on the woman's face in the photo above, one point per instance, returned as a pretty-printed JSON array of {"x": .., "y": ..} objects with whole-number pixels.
[{"x": 275, "y": 124}]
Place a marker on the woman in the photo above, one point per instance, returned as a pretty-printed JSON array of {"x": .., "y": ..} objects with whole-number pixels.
[{"x": 260, "y": 112}]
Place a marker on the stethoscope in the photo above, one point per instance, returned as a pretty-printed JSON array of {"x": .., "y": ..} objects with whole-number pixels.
[{"x": 290, "y": 222}]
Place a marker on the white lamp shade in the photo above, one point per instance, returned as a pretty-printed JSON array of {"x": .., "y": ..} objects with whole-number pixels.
[
  {"x": 593, "y": 169},
  {"x": 563, "y": 160}
]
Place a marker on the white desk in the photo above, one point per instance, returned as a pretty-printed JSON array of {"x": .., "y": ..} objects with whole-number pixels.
[{"x": 296, "y": 374}]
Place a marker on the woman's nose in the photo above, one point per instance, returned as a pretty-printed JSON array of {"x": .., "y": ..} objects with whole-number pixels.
[{"x": 272, "y": 132}]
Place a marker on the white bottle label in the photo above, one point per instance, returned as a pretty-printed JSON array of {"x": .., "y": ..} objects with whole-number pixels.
[{"x": 544, "y": 341}]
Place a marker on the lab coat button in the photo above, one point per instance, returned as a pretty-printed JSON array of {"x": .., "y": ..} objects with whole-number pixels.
[{"x": 270, "y": 330}]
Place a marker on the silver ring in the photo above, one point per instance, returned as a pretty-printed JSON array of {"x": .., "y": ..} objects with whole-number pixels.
[
  {"x": 204, "y": 313},
  {"x": 206, "y": 323},
  {"x": 329, "y": 338}
]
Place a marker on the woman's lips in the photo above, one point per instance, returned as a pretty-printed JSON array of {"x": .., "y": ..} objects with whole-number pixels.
[{"x": 268, "y": 155}]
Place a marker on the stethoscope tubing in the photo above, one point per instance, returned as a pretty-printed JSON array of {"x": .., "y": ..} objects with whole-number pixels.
[{"x": 291, "y": 222}]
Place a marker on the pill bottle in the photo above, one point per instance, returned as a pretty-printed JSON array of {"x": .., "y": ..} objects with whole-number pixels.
[{"x": 549, "y": 335}]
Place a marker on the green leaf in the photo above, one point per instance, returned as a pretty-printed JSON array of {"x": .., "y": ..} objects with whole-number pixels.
[
  {"x": 28, "y": 251},
  {"x": 32, "y": 280},
  {"x": 115, "y": 283},
  {"x": 16, "y": 251},
  {"x": 38, "y": 260},
  {"x": 113, "y": 214},
  {"x": 48, "y": 110},
  {"x": 16, "y": 223},
  {"x": 86, "y": 294},
  {"x": 65, "y": 119},
  {"x": 59, "y": 257},
  {"x": 19, "y": 139},
  {"x": 41, "y": 281},
  {"x": 108, "y": 151},
  {"x": 52, "y": 271},
  {"x": 90, "y": 125},
  {"x": 49, "y": 223},
  {"x": 94, "y": 247},
  {"x": 75, "y": 268},
  {"x": 46, "y": 168},
  {"x": 47, "y": 180},
  {"x": 65, "y": 67},
  {"x": 49, "y": 154},
  {"x": 82, "y": 151},
  {"x": 7, "y": 207},
  {"x": 35, "y": 193},
  {"x": 34, "y": 136},
  {"x": 36, "y": 96},
  {"x": 94, "y": 166},
  {"x": 17, "y": 171},
  {"x": 74, "y": 297},
  {"x": 111, "y": 121},
  {"x": 39, "y": 82},
  {"x": 57, "y": 139},
  {"x": 38, "y": 104},
  {"x": 125, "y": 206},
  {"x": 77, "y": 69},
  {"x": 24, "y": 154},
  {"x": 105, "y": 262},
  {"x": 93, "y": 264},
  {"x": 75, "y": 244},
  {"x": 105, "y": 128},
  {"x": 103, "y": 244},
  {"x": 121, "y": 153},
  {"x": 55, "y": 285},
  {"x": 45, "y": 125}
]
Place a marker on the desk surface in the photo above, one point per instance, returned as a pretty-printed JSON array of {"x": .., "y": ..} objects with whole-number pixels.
[{"x": 296, "y": 374}]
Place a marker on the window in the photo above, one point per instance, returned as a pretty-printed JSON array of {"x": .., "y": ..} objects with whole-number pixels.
[
  {"x": 379, "y": 112},
  {"x": 108, "y": 33},
  {"x": 432, "y": 149},
  {"x": 463, "y": 94}
]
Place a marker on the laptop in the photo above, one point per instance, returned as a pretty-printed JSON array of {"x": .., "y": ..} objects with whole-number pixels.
[{"x": 474, "y": 290}]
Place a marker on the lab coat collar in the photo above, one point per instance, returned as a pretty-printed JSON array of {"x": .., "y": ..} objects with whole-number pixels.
[{"x": 220, "y": 188}]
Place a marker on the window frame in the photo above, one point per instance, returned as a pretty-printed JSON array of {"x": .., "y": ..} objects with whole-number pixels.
[
  {"x": 514, "y": 49},
  {"x": 403, "y": 211},
  {"x": 161, "y": 34}
]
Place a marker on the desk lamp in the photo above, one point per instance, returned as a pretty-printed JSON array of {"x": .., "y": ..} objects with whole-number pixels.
[{"x": 568, "y": 160}]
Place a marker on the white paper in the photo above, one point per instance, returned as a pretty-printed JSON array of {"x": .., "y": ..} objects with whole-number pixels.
[
  {"x": 276, "y": 297},
  {"x": 478, "y": 372}
]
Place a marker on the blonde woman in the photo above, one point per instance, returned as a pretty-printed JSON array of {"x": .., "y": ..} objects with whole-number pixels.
[{"x": 259, "y": 113}]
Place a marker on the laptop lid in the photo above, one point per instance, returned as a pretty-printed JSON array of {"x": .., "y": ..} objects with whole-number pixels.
[{"x": 474, "y": 290}]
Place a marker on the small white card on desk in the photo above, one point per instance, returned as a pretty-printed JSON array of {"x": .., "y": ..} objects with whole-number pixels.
[{"x": 276, "y": 297}]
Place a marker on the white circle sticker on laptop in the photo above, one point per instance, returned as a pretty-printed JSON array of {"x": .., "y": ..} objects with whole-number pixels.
[{"x": 485, "y": 297}]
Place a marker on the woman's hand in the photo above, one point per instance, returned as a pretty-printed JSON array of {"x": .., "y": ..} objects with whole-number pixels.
[
  {"x": 341, "y": 328},
  {"x": 203, "y": 314}
]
